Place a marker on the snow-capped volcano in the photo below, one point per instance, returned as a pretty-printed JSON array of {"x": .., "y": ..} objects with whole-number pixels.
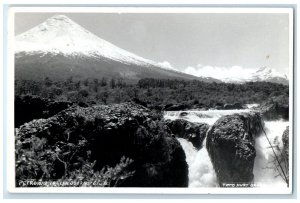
[
  {"x": 60, "y": 48},
  {"x": 61, "y": 35},
  {"x": 262, "y": 74},
  {"x": 267, "y": 74},
  {"x": 239, "y": 74}
]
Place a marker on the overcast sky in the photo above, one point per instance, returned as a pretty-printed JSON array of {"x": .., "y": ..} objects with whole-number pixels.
[{"x": 192, "y": 43}]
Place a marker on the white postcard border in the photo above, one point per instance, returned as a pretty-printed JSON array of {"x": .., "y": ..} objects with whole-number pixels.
[{"x": 10, "y": 101}]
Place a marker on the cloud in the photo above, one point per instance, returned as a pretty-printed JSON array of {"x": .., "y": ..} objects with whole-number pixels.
[
  {"x": 235, "y": 73},
  {"x": 166, "y": 65}
]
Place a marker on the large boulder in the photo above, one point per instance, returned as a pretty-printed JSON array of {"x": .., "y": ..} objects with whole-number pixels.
[
  {"x": 230, "y": 144},
  {"x": 82, "y": 142},
  {"x": 31, "y": 107},
  {"x": 193, "y": 132}
]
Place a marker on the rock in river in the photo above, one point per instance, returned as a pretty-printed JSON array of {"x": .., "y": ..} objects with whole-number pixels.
[
  {"x": 193, "y": 132},
  {"x": 230, "y": 144}
]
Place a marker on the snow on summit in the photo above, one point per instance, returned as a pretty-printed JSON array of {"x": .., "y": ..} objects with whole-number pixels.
[
  {"x": 265, "y": 73},
  {"x": 61, "y": 35}
]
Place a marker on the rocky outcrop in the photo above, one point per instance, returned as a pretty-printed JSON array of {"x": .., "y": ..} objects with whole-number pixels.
[
  {"x": 99, "y": 136},
  {"x": 275, "y": 108},
  {"x": 31, "y": 107},
  {"x": 193, "y": 132},
  {"x": 230, "y": 144}
]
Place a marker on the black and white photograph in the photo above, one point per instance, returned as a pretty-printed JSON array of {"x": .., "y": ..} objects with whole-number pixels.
[{"x": 194, "y": 100}]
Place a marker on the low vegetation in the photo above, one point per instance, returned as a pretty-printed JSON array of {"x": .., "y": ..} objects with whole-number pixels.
[{"x": 151, "y": 92}]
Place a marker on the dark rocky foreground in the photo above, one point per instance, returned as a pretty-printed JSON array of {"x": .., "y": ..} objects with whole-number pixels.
[
  {"x": 128, "y": 145},
  {"x": 193, "y": 132},
  {"x": 120, "y": 145},
  {"x": 230, "y": 144}
]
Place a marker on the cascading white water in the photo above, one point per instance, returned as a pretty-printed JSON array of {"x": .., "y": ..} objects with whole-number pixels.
[
  {"x": 265, "y": 172},
  {"x": 209, "y": 116},
  {"x": 201, "y": 172},
  {"x": 249, "y": 106}
]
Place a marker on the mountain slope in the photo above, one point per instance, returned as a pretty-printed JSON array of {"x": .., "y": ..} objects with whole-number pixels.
[
  {"x": 60, "y": 35},
  {"x": 60, "y": 48}
]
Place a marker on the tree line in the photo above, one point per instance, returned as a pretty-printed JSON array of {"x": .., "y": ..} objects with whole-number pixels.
[{"x": 155, "y": 92}]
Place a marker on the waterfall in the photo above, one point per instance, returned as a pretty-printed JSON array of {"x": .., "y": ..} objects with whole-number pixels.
[
  {"x": 265, "y": 173},
  {"x": 201, "y": 172}
]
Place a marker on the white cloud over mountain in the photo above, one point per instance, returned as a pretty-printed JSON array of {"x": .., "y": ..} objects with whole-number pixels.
[
  {"x": 166, "y": 65},
  {"x": 234, "y": 73}
]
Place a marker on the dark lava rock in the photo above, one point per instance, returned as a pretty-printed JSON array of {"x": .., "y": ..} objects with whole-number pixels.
[
  {"x": 182, "y": 114},
  {"x": 233, "y": 106},
  {"x": 219, "y": 104},
  {"x": 275, "y": 108},
  {"x": 200, "y": 107},
  {"x": 219, "y": 107},
  {"x": 193, "y": 132},
  {"x": 100, "y": 136},
  {"x": 31, "y": 107},
  {"x": 230, "y": 144}
]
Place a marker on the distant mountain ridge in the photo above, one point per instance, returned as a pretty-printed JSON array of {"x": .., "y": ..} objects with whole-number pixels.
[
  {"x": 60, "y": 48},
  {"x": 269, "y": 75},
  {"x": 262, "y": 74}
]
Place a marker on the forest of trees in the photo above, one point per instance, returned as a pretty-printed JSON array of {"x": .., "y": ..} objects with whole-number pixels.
[{"x": 153, "y": 92}]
